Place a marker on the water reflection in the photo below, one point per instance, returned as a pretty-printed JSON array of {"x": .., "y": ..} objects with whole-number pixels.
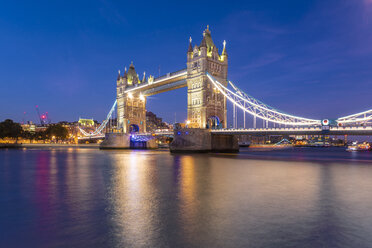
[
  {"x": 134, "y": 198},
  {"x": 90, "y": 198}
]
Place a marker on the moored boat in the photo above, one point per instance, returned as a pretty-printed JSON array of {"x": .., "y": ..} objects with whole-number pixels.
[{"x": 365, "y": 146}]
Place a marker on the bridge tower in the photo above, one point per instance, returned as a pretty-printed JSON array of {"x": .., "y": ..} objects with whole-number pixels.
[
  {"x": 206, "y": 107},
  {"x": 131, "y": 107}
]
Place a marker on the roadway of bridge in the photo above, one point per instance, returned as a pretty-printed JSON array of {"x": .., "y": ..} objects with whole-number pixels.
[
  {"x": 363, "y": 131},
  {"x": 170, "y": 81},
  {"x": 286, "y": 131},
  {"x": 299, "y": 131}
]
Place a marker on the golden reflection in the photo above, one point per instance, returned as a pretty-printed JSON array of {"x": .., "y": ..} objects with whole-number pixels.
[
  {"x": 188, "y": 202},
  {"x": 134, "y": 199},
  {"x": 187, "y": 181}
]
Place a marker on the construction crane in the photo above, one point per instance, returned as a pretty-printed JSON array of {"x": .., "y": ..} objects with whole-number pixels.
[{"x": 44, "y": 118}]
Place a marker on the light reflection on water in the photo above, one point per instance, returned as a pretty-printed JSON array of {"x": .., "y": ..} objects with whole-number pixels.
[{"x": 92, "y": 198}]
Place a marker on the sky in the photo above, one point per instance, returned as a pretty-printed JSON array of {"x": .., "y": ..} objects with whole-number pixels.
[{"x": 309, "y": 58}]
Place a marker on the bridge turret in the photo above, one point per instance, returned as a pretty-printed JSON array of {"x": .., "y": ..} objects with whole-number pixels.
[
  {"x": 224, "y": 53},
  {"x": 189, "y": 50},
  {"x": 203, "y": 46},
  {"x": 119, "y": 76},
  {"x": 131, "y": 106},
  {"x": 124, "y": 78},
  {"x": 118, "y": 80},
  {"x": 144, "y": 78},
  {"x": 204, "y": 103},
  {"x": 132, "y": 76}
]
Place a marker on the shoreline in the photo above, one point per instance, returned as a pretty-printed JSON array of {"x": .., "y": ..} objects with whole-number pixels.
[{"x": 36, "y": 145}]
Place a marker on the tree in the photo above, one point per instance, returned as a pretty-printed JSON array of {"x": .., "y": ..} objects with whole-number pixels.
[
  {"x": 40, "y": 135},
  {"x": 28, "y": 135},
  {"x": 10, "y": 129},
  {"x": 58, "y": 131}
]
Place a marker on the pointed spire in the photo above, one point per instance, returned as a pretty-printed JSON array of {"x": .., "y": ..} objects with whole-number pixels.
[
  {"x": 125, "y": 72},
  {"x": 144, "y": 77},
  {"x": 118, "y": 75},
  {"x": 224, "y": 48},
  {"x": 190, "y": 46},
  {"x": 204, "y": 42},
  {"x": 207, "y": 31}
]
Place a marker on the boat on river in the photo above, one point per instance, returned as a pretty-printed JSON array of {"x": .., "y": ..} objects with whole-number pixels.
[{"x": 365, "y": 146}]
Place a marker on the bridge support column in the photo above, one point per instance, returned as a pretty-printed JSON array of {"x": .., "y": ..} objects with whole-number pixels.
[
  {"x": 123, "y": 141},
  {"x": 115, "y": 141},
  {"x": 197, "y": 140}
]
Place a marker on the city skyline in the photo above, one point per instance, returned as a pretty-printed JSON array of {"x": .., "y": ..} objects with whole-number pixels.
[{"x": 311, "y": 59}]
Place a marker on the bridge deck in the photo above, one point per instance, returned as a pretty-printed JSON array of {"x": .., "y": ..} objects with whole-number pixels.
[
  {"x": 161, "y": 84},
  {"x": 299, "y": 131}
]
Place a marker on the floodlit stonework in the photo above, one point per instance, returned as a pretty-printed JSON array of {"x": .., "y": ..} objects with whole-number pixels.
[
  {"x": 131, "y": 108},
  {"x": 206, "y": 106}
]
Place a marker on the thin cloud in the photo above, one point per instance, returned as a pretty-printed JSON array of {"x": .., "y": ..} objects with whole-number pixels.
[{"x": 263, "y": 61}]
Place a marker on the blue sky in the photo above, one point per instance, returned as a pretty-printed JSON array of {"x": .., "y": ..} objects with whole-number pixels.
[{"x": 310, "y": 58}]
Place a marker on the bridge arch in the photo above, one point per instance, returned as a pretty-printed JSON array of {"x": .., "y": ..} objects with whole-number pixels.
[
  {"x": 213, "y": 122},
  {"x": 134, "y": 128}
]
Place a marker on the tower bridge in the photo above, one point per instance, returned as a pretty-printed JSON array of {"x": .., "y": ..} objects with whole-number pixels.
[
  {"x": 208, "y": 91},
  {"x": 205, "y": 102}
]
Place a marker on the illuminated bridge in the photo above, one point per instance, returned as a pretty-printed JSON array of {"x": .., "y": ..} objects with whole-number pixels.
[{"x": 208, "y": 92}]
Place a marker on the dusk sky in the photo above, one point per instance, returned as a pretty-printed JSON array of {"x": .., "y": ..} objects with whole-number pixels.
[{"x": 309, "y": 58}]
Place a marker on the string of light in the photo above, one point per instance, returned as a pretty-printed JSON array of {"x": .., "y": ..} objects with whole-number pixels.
[
  {"x": 259, "y": 109},
  {"x": 103, "y": 124}
]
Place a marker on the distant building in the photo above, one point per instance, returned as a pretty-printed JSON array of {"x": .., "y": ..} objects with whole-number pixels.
[
  {"x": 153, "y": 122},
  {"x": 86, "y": 122},
  {"x": 29, "y": 127}
]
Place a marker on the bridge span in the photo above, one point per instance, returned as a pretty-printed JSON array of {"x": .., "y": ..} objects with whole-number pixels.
[
  {"x": 208, "y": 92},
  {"x": 365, "y": 131},
  {"x": 170, "y": 81}
]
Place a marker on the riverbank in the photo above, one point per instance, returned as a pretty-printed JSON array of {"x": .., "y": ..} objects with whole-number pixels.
[
  {"x": 37, "y": 145},
  {"x": 10, "y": 145},
  {"x": 270, "y": 146},
  {"x": 60, "y": 145}
]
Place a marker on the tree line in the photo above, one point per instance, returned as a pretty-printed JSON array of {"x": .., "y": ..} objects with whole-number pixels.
[{"x": 13, "y": 130}]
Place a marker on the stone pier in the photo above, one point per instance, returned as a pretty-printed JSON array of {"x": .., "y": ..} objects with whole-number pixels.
[
  {"x": 202, "y": 140},
  {"x": 123, "y": 141}
]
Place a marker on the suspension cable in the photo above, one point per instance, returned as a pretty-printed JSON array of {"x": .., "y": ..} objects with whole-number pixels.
[{"x": 260, "y": 110}]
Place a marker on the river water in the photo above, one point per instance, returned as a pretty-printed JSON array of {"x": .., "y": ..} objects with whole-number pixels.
[{"x": 74, "y": 197}]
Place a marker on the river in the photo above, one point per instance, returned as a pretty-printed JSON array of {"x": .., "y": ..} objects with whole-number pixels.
[{"x": 84, "y": 197}]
